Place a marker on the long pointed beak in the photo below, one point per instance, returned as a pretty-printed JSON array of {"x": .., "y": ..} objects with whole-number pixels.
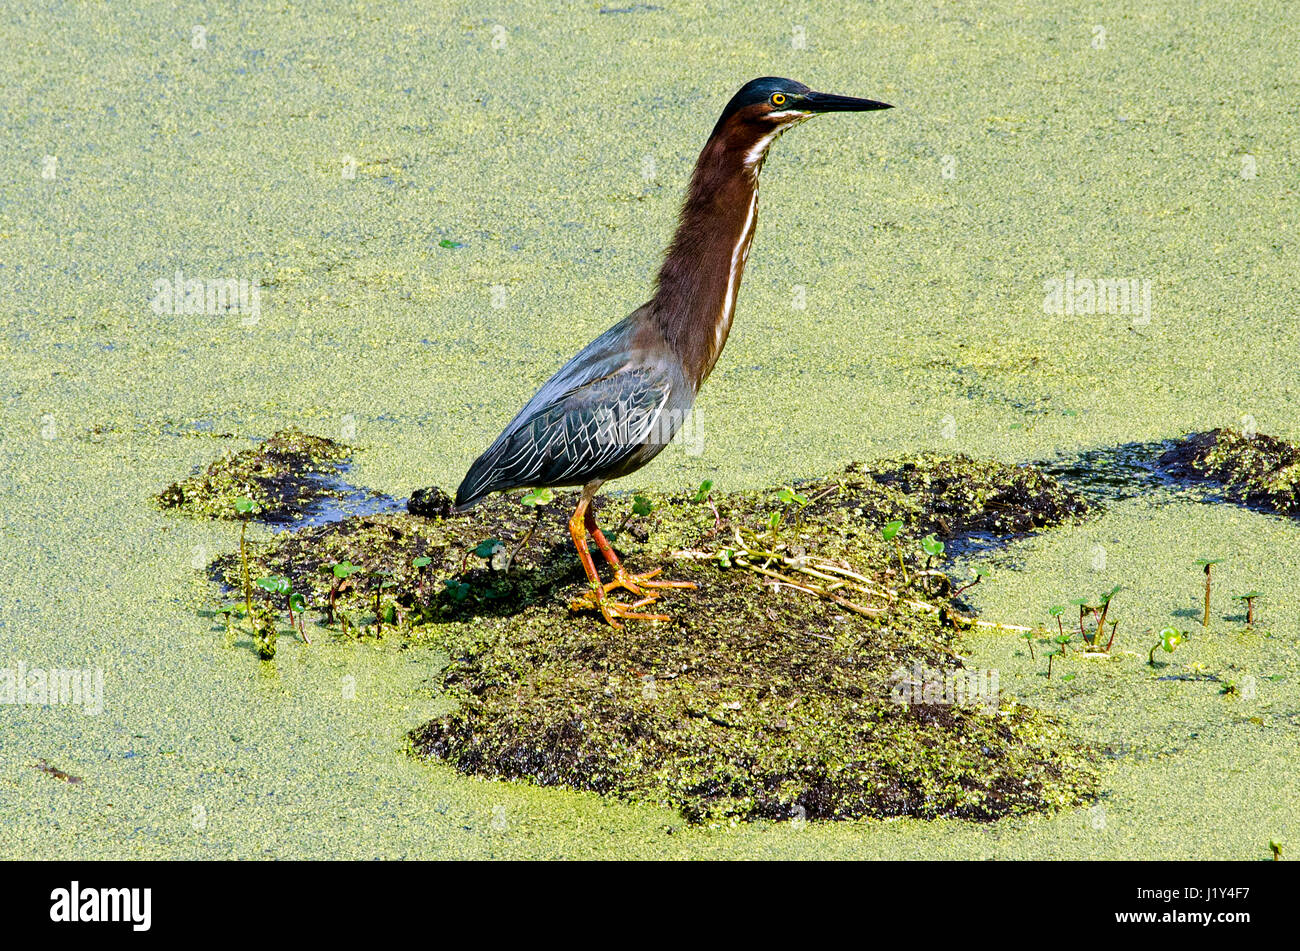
[{"x": 829, "y": 102}]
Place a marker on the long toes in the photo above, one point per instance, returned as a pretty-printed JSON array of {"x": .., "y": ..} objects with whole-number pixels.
[
  {"x": 625, "y": 611},
  {"x": 612, "y": 610},
  {"x": 628, "y": 584},
  {"x": 645, "y": 580}
]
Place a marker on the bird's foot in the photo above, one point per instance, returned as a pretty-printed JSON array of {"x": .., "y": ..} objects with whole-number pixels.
[
  {"x": 613, "y": 610},
  {"x": 642, "y": 585}
]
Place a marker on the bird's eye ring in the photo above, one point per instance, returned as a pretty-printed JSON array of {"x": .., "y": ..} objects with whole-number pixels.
[{"x": 778, "y": 99}]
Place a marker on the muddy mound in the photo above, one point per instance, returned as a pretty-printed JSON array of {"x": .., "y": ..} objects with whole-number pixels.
[
  {"x": 813, "y": 674},
  {"x": 1257, "y": 470},
  {"x": 755, "y": 706},
  {"x": 282, "y": 477},
  {"x": 955, "y": 495}
]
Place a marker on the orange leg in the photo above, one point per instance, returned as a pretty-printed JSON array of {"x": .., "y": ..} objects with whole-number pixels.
[
  {"x": 622, "y": 578},
  {"x": 598, "y": 599}
]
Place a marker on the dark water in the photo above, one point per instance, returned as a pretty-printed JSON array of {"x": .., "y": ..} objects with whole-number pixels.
[{"x": 339, "y": 499}]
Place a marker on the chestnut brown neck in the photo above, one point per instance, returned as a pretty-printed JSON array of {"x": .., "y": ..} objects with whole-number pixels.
[{"x": 695, "y": 294}]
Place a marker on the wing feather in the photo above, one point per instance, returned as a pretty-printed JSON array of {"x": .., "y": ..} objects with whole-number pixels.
[{"x": 589, "y": 430}]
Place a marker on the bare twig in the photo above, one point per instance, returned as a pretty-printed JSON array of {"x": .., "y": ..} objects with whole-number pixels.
[{"x": 836, "y": 578}]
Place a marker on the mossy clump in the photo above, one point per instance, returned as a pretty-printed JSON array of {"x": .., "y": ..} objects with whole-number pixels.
[
  {"x": 957, "y": 495},
  {"x": 758, "y": 699},
  {"x": 282, "y": 476},
  {"x": 1257, "y": 470},
  {"x": 743, "y": 709}
]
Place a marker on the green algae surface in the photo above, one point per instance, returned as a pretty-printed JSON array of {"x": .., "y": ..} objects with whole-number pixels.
[{"x": 1023, "y": 147}]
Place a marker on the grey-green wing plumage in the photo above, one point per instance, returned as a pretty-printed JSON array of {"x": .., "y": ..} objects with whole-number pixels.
[{"x": 606, "y": 412}]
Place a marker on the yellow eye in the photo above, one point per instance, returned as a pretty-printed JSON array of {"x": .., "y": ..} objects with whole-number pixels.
[{"x": 778, "y": 99}]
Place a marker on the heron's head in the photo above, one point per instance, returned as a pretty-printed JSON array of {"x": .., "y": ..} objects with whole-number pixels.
[{"x": 764, "y": 108}]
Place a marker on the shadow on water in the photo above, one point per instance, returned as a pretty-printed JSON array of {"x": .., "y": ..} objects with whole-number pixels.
[
  {"x": 1109, "y": 474},
  {"x": 1119, "y": 473},
  {"x": 332, "y": 499},
  {"x": 1116, "y": 473}
]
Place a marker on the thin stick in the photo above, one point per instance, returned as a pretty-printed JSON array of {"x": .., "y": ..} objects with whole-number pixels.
[
  {"x": 825, "y": 571},
  {"x": 510, "y": 559}
]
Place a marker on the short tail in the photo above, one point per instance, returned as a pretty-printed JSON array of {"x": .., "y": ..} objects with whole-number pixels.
[
  {"x": 467, "y": 499},
  {"x": 478, "y": 483}
]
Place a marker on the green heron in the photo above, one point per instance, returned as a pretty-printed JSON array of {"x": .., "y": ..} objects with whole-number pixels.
[{"x": 614, "y": 406}]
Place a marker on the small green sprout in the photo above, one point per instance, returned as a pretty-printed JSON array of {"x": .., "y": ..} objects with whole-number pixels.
[
  {"x": 228, "y": 612},
  {"x": 1029, "y": 642},
  {"x": 1207, "y": 563},
  {"x": 890, "y": 534},
  {"x": 933, "y": 549},
  {"x": 1056, "y": 611},
  {"x": 1062, "y": 639},
  {"x": 298, "y": 605},
  {"x": 275, "y": 584},
  {"x": 345, "y": 569},
  {"x": 1084, "y": 607},
  {"x": 448, "y": 243},
  {"x": 702, "y": 495},
  {"x": 1275, "y": 847},
  {"x": 537, "y": 497},
  {"x": 493, "y": 551},
  {"x": 488, "y": 547},
  {"x": 341, "y": 572},
  {"x": 978, "y": 573},
  {"x": 1169, "y": 639},
  {"x": 641, "y": 507},
  {"x": 1104, "y": 601},
  {"x": 383, "y": 579},
  {"x": 458, "y": 590},
  {"x": 420, "y": 563},
  {"x": 245, "y": 508},
  {"x": 725, "y": 556},
  {"x": 788, "y": 496},
  {"x": 294, "y": 602},
  {"x": 1249, "y": 597}
]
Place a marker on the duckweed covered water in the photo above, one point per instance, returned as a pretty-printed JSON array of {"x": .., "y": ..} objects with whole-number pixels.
[{"x": 1020, "y": 149}]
